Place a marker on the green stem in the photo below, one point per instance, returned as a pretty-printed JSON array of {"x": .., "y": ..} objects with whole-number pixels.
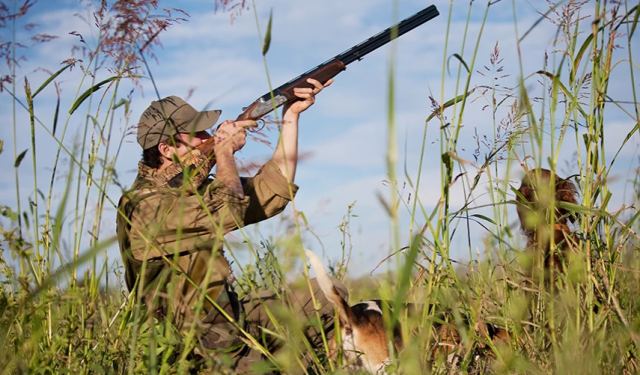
[{"x": 34, "y": 208}]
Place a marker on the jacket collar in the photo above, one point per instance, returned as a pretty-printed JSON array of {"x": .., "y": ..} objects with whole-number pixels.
[
  {"x": 200, "y": 163},
  {"x": 154, "y": 176}
]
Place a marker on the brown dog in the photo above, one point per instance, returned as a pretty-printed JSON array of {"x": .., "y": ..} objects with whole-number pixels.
[{"x": 539, "y": 191}]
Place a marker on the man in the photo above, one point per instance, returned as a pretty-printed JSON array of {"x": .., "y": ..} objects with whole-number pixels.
[{"x": 171, "y": 236}]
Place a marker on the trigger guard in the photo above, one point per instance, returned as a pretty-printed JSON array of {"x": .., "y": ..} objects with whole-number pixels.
[{"x": 260, "y": 125}]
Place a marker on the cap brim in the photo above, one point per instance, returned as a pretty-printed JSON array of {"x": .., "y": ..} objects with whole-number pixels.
[{"x": 203, "y": 121}]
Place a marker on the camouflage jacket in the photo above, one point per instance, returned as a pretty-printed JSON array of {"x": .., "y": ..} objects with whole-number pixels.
[{"x": 171, "y": 238}]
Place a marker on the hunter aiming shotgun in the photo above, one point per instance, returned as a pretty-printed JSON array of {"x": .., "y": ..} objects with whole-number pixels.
[{"x": 268, "y": 102}]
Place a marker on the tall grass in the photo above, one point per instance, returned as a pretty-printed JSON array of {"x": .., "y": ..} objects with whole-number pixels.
[{"x": 59, "y": 311}]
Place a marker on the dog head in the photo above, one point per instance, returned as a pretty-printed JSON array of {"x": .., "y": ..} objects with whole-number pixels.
[{"x": 540, "y": 190}]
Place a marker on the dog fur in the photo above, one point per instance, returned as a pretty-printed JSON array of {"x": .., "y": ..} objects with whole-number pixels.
[
  {"x": 362, "y": 331},
  {"x": 364, "y": 338},
  {"x": 541, "y": 189}
]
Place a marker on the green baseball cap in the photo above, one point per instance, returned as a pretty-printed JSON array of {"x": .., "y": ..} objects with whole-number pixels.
[{"x": 169, "y": 116}]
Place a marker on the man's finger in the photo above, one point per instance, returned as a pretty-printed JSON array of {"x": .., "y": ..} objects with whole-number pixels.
[
  {"x": 246, "y": 124},
  {"x": 302, "y": 90},
  {"x": 315, "y": 82},
  {"x": 305, "y": 95},
  {"x": 319, "y": 86}
]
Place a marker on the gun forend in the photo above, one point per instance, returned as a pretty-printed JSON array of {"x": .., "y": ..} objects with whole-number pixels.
[{"x": 268, "y": 102}]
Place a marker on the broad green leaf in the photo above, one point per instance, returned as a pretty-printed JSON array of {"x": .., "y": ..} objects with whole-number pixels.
[
  {"x": 406, "y": 274},
  {"x": 589, "y": 39}
]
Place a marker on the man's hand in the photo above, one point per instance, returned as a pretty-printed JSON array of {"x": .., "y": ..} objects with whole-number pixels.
[
  {"x": 285, "y": 156},
  {"x": 229, "y": 138},
  {"x": 232, "y": 135},
  {"x": 307, "y": 97}
]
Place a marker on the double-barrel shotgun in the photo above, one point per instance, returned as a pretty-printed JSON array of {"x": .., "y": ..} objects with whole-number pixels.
[{"x": 322, "y": 73}]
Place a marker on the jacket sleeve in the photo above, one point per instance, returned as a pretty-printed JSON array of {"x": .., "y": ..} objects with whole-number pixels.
[
  {"x": 172, "y": 221},
  {"x": 268, "y": 191}
]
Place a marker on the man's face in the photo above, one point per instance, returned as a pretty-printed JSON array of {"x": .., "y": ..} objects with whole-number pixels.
[
  {"x": 185, "y": 142},
  {"x": 190, "y": 141}
]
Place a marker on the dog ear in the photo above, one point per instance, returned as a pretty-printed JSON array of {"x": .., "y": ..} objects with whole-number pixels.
[{"x": 329, "y": 290}]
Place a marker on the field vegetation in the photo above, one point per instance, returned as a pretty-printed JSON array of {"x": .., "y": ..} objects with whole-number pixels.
[{"x": 63, "y": 309}]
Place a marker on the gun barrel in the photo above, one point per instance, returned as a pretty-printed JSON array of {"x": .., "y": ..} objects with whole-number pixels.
[
  {"x": 358, "y": 51},
  {"x": 330, "y": 68},
  {"x": 387, "y": 35}
]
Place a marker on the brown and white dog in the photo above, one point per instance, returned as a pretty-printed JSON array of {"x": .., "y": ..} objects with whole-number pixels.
[
  {"x": 362, "y": 330},
  {"x": 364, "y": 337}
]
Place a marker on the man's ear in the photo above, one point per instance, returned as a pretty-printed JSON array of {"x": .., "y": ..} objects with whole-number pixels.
[{"x": 165, "y": 150}]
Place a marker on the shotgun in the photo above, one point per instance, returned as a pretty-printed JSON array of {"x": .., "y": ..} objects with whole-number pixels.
[{"x": 202, "y": 164}]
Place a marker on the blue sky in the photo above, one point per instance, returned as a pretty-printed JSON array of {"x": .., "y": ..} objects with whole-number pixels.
[{"x": 218, "y": 64}]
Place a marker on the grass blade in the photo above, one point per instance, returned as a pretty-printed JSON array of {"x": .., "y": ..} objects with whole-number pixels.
[
  {"x": 635, "y": 22},
  {"x": 69, "y": 267},
  {"x": 540, "y": 19},
  {"x": 56, "y": 115},
  {"x": 88, "y": 93},
  {"x": 555, "y": 79},
  {"x": 581, "y": 51},
  {"x": 59, "y": 216},
  {"x": 485, "y": 218},
  {"x": 16, "y": 164},
  {"x": 267, "y": 36},
  {"x": 448, "y": 104},
  {"x": 51, "y": 78},
  {"x": 459, "y": 58}
]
